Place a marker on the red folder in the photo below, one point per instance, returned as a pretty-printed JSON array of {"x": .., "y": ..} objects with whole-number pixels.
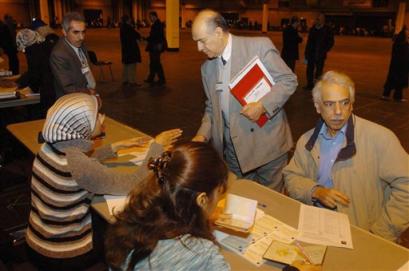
[{"x": 247, "y": 79}]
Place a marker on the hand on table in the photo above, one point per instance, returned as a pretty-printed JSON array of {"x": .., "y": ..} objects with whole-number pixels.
[
  {"x": 199, "y": 138},
  {"x": 131, "y": 142},
  {"x": 168, "y": 138},
  {"x": 330, "y": 197},
  {"x": 253, "y": 111}
]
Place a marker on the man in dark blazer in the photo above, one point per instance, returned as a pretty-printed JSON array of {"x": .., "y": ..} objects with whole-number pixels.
[
  {"x": 291, "y": 39},
  {"x": 320, "y": 41},
  {"x": 69, "y": 59},
  {"x": 8, "y": 44},
  {"x": 156, "y": 46},
  {"x": 251, "y": 152}
]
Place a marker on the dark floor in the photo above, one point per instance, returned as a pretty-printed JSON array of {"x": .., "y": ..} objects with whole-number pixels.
[{"x": 181, "y": 102}]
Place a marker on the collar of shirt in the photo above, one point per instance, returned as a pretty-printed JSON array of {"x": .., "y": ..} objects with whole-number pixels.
[
  {"x": 324, "y": 134},
  {"x": 329, "y": 149},
  {"x": 227, "y": 50},
  {"x": 76, "y": 49}
]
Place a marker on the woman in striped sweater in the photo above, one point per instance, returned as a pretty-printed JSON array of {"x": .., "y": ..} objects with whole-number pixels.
[{"x": 65, "y": 179}]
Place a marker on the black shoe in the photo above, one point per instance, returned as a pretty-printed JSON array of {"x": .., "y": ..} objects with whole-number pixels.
[{"x": 148, "y": 81}]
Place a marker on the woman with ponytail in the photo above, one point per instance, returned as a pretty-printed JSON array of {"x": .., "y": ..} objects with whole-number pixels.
[{"x": 165, "y": 225}]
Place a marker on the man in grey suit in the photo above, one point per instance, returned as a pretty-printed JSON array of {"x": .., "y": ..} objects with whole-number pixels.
[
  {"x": 69, "y": 59},
  {"x": 252, "y": 152}
]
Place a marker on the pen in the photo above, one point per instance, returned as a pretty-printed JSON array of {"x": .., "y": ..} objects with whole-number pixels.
[{"x": 303, "y": 252}]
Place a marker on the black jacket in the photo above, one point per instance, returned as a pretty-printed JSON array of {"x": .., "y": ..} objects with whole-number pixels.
[
  {"x": 291, "y": 39},
  {"x": 129, "y": 44},
  {"x": 7, "y": 42},
  {"x": 38, "y": 76},
  {"x": 320, "y": 41},
  {"x": 399, "y": 65},
  {"x": 156, "y": 40}
]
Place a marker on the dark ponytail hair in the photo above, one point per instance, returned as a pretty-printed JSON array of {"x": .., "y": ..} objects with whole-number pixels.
[{"x": 164, "y": 205}]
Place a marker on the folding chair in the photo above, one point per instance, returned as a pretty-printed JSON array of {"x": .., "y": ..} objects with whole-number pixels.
[{"x": 100, "y": 63}]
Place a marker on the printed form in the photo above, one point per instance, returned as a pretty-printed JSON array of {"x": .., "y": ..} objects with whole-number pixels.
[{"x": 324, "y": 227}]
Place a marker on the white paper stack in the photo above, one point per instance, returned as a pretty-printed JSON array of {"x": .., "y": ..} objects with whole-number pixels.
[
  {"x": 115, "y": 203},
  {"x": 139, "y": 153},
  {"x": 7, "y": 93},
  {"x": 324, "y": 227}
]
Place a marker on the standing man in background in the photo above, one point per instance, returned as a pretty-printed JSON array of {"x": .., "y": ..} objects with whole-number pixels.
[
  {"x": 291, "y": 39},
  {"x": 69, "y": 59},
  {"x": 130, "y": 53},
  {"x": 156, "y": 46},
  {"x": 252, "y": 152},
  {"x": 320, "y": 41},
  {"x": 8, "y": 43}
]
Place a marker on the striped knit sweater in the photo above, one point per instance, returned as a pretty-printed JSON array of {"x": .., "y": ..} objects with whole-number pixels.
[{"x": 63, "y": 184}]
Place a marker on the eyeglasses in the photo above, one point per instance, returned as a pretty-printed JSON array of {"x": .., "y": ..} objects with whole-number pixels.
[{"x": 100, "y": 120}]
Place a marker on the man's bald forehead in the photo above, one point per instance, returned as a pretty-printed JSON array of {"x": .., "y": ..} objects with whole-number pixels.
[
  {"x": 204, "y": 18},
  {"x": 206, "y": 14},
  {"x": 210, "y": 20}
]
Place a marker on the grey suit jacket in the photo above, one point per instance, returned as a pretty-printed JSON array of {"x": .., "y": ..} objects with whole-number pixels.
[
  {"x": 254, "y": 146},
  {"x": 66, "y": 68}
]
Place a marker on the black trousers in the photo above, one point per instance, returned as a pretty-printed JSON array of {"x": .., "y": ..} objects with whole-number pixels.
[
  {"x": 155, "y": 67},
  {"x": 316, "y": 65},
  {"x": 397, "y": 95},
  {"x": 13, "y": 61}
]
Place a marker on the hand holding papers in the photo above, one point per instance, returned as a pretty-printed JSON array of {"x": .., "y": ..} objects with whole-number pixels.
[
  {"x": 325, "y": 227},
  {"x": 251, "y": 84}
]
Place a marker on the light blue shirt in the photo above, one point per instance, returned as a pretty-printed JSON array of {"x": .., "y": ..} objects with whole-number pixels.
[
  {"x": 186, "y": 253},
  {"x": 329, "y": 149}
]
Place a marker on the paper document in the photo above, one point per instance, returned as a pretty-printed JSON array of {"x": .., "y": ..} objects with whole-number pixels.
[
  {"x": 239, "y": 213},
  {"x": 404, "y": 267},
  {"x": 115, "y": 203},
  {"x": 252, "y": 248},
  {"x": 283, "y": 253},
  {"x": 324, "y": 227},
  {"x": 138, "y": 152},
  {"x": 258, "y": 91},
  {"x": 251, "y": 84}
]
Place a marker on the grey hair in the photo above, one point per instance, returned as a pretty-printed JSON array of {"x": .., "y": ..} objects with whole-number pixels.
[
  {"x": 215, "y": 20},
  {"x": 334, "y": 77},
  {"x": 69, "y": 17}
]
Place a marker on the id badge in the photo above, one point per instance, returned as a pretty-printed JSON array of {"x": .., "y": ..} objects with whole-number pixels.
[{"x": 85, "y": 70}]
